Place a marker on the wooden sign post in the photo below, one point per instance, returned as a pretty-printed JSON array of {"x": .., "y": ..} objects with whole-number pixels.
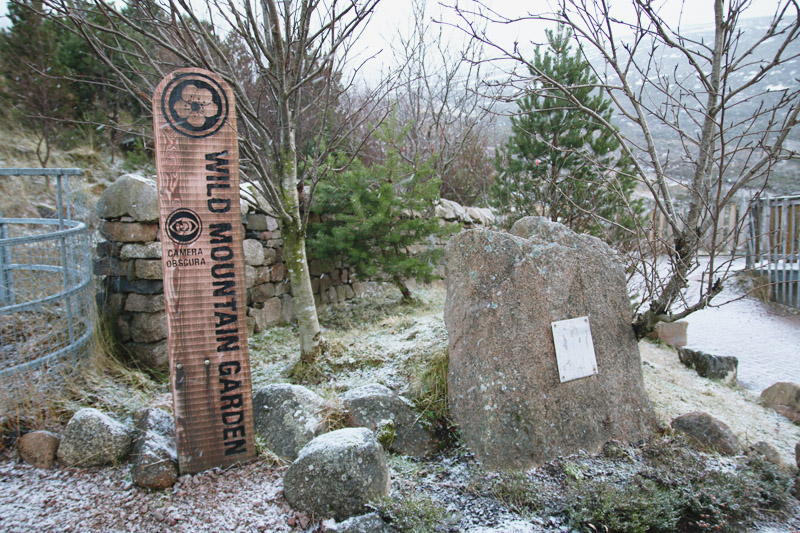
[{"x": 197, "y": 160}]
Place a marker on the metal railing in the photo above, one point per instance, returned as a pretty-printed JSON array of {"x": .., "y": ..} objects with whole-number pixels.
[
  {"x": 773, "y": 245},
  {"x": 46, "y": 298}
]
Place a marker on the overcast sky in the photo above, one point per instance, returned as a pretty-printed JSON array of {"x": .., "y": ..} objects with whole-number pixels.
[{"x": 393, "y": 16}]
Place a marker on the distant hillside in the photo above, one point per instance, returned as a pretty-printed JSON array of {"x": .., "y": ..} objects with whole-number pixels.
[{"x": 785, "y": 177}]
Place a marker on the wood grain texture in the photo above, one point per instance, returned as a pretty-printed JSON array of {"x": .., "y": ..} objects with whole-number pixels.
[{"x": 204, "y": 286}]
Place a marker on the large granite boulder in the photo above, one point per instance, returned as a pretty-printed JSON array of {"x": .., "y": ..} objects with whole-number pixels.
[
  {"x": 506, "y": 393},
  {"x": 707, "y": 433},
  {"x": 369, "y": 405},
  {"x": 784, "y": 397},
  {"x": 130, "y": 195},
  {"x": 287, "y": 417},
  {"x": 154, "y": 459},
  {"x": 337, "y": 474},
  {"x": 93, "y": 438}
]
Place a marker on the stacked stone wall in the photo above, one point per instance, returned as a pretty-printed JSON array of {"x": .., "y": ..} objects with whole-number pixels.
[{"x": 128, "y": 262}]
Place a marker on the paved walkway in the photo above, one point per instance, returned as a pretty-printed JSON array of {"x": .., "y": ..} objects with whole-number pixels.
[{"x": 765, "y": 338}]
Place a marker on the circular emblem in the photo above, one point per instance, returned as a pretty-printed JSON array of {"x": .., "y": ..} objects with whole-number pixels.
[
  {"x": 195, "y": 105},
  {"x": 183, "y": 226}
]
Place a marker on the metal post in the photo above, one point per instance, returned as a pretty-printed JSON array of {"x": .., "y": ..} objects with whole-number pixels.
[{"x": 65, "y": 267}]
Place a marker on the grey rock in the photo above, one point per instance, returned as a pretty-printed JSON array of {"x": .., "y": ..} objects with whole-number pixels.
[
  {"x": 132, "y": 195},
  {"x": 784, "y": 397},
  {"x": 142, "y": 303},
  {"x": 707, "y": 433},
  {"x": 724, "y": 368},
  {"x": 139, "y": 286},
  {"x": 256, "y": 222},
  {"x": 337, "y": 474},
  {"x": 269, "y": 315},
  {"x": 769, "y": 453},
  {"x": 504, "y": 387},
  {"x": 153, "y": 355},
  {"x": 253, "y": 252},
  {"x": 149, "y": 327},
  {"x": 151, "y": 250},
  {"x": 154, "y": 420},
  {"x": 287, "y": 417},
  {"x": 367, "y": 523},
  {"x": 369, "y": 405},
  {"x": 38, "y": 448},
  {"x": 148, "y": 269},
  {"x": 92, "y": 438},
  {"x": 250, "y": 276},
  {"x": 154, "y": 461},
  {"x": 129, "y": 232},
  {"x": 288, "y": 314}
]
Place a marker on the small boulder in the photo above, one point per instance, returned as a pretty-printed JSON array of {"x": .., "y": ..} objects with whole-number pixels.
[
  {"x": 132, "y": 195},
  {"x": 707, "y": 433},
  {"x": 154, "y": 457},
  {"x": 372, "y": 404},
  {"x": 337, "y": 474},
  {"x": 287, "y": 417},
  {"x": 366, "y": 523},
  {"x": 154, "y": 420},
  {"x": 768, "y": 452},
  {"x": 38, "y": 448},
  {"x": 92, "y": 438},
  {"x": 723, "y": 368},
  {"x": 784, "y": 397},
  {"x": 671, "y": 333}
]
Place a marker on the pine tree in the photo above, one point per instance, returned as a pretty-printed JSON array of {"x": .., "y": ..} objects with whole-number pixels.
[
  {"x": 558, "y": 162},
  {"x": 371, "y": 218}
]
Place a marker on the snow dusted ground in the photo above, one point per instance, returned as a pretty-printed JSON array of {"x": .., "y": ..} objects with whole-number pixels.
[
  {"x": 249, "y": 497},
  {"x": 764, "y": 337}
]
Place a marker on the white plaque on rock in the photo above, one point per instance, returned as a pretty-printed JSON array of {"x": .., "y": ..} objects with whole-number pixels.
[{"x": 574, "y": 348}]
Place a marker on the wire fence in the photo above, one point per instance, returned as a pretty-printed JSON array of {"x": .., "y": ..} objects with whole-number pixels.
[{"x": 46, "y": 297}]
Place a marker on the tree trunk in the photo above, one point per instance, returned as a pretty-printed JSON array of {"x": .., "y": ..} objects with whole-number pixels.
[
  {"x": 294, "y": 247},
  {"x": 404, "y": 290}
]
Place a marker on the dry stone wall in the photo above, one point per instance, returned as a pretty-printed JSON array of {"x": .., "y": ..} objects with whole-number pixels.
[{"x": 128, "y": 262}]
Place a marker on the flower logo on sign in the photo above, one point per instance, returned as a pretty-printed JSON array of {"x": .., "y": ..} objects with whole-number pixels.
[{"x": 196, "y": 105}]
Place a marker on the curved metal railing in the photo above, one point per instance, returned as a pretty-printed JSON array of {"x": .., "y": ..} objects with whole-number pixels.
[{"x": 46, "y": 297}]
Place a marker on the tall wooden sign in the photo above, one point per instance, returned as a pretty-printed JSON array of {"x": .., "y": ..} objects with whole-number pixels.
[{"x": 197, "y": 161}]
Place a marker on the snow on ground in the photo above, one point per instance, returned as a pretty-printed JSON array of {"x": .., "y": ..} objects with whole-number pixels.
[
  {"x": 675, "y": 390},
  {"x": 103, "y": 499},
  {"x": 249, "y": 498}
]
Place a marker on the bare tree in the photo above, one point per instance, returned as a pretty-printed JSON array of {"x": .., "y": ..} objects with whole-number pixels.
[
  {"x": 692, "y": 145},
  {"x": 283, "y": 60},
  {"x": 438, "y": 99}
]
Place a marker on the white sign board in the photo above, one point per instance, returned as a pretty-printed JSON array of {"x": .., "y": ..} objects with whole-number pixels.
[{"x": 574, "y": 348}]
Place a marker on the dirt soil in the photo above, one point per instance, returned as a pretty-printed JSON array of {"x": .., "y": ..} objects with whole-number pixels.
[{"x": 249, "y": 497}]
